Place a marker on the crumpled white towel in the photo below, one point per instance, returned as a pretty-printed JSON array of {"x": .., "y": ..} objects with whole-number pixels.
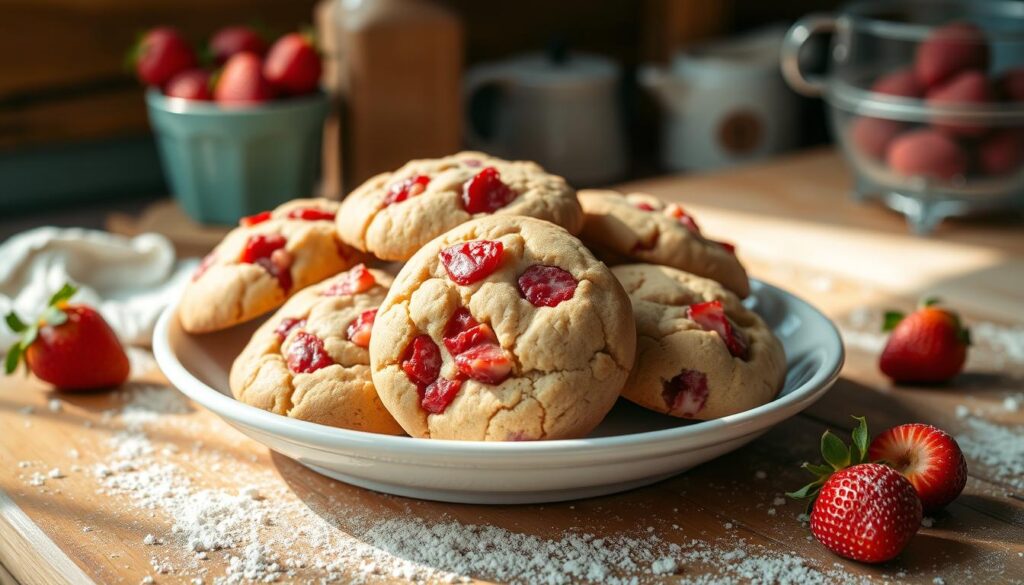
[{"x": 129, "y": 280}]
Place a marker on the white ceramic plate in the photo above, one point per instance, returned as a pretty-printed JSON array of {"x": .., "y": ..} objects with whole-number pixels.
[{"x": 631, "y": 448}]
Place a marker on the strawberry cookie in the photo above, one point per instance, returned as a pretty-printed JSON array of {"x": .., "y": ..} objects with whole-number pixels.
[
  {"x": 270, "y": 256},
  {"x": 700, "y": 353},
  {"x": 642, "y": 227},
  {"x": 310, "y": 360},
  {"x": 393, "y": 214},
  {"x": 505, "y": 328}
]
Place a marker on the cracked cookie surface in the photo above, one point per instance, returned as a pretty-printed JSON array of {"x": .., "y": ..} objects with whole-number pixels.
[
  {"x": 641, "y": 227},
  {"x": 310, "y": 360},
  {"x": 261, "y": 263},
  {"x": 393, "y": 214},
  {"x": 700, "y": 353},
  {"x": 535, "y": 343}
]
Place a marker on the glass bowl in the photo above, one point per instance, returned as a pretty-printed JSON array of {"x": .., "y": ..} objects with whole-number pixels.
[{"x": 926, "y": 100}]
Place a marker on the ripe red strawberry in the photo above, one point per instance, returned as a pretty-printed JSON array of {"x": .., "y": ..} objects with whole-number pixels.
[
  {"x": 927, "y": 456},
  {"x": 293, "y": 65},
  {"x": 234, "y": 39},
  {"x": 191, "y": 84},
  {"x": 71, "y": 346},
  {"x": 161, "y": 54},
  {"x": 242, "y": 82},
  {"x": 927, "y": 346},
  {"x": 867, "y": 512}
]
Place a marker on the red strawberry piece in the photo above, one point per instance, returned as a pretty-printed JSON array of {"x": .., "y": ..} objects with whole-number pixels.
[
  {"x": 1002, "y": 152},
  {"x": 927, "y": 346},
  {"x": 241, "y": 81},
  {"x": 69, "y": 346},
  {"x": 439, "y": 394},
  {"x": 928, "y": 457},
  {"x": 486, "y": 192},
  {"x": 406, "y": 188},
  {"x": 235, "y": 39},
  {"x": 286, "y": 326},
  {"x": 949, "y": 50},
  {"x": 872, "y": 136},
  {"x": 487, "y": 363},
  {"x": 293, "y": 65},
  {"x": 546, "y": 286},
  {"x": 711, "y": 317},
  {"x": 729, "y": 247},
  {"x": 160, "y": 55},
  {"x": 191, "y": 84},
  {"x": 204, "y": 265},
  {"x": 463, "y": 332},
  {"x": 470, "y": 262},
  {"x": 254, "y": 219},
  {"x": 358, "y": 331},
  {"x": 358, "y": 279},
  {"x": 686, "y": 393},
  {"x": 969, "y": 87},
  {"x": 927, "y": 153},
  {"x": 644, "y": 206},
  {"x": 311, "y": 214},
  {"x": 267, "y": 251},
  {"x": 306, "y": 354},
  {"x": 902, "y": 83},
  {"x": 868, "y": 513},
  {"x": 685, "y": 219},
  {"x": 1011, "y": 84},
  {"x": 421, "y": 361}
]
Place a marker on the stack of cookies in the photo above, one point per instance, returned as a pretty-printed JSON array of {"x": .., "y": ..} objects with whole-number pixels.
[{"x": 500, "y": 325}]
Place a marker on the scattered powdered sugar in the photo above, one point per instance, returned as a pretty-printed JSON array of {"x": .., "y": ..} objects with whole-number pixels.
[
  {"x": 1000, "y": 448},
  {"x": 263, "y": 533}
]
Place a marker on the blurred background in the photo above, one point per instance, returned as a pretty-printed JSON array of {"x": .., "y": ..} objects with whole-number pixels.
[
  {"x": 74, "y": 131},
  {"x": 925, "y": 99}
]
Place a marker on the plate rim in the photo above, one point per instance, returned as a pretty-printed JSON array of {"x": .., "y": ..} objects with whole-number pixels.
[{"x": 330, "y": 439}]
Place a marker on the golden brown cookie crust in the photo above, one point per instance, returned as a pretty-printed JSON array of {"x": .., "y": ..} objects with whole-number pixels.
[
  {"x": 616, "y": 228},
  {"x": 668, "y": 342},
  {"x": 570, "y": 361},
  {"x": 228, "y": 292},
  {"x": 397, "y": 231},
  {"x": 339, "y": 395}
]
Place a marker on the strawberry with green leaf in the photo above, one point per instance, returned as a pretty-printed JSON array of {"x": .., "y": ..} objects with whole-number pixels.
[
  {"x": 69, "y": 346},
  {"x": 926, "y": 346},
  {"x": 867, "y": 512}
]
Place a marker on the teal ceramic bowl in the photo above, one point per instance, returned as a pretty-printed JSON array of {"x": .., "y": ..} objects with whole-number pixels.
[{"x": 227, "y": 162}]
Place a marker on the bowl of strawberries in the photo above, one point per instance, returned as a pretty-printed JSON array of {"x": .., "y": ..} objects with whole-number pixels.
[
  {"x": 240, "y": 130},
  {"x": 926, "y": 100}
]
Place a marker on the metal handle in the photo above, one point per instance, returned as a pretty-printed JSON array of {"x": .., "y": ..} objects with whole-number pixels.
[{"x": 797, "y": 35}]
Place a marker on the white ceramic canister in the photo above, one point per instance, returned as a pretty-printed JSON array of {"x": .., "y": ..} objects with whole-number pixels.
[
  {"x": 724, "y": 103},
  {"x": 563, "y": 113}
]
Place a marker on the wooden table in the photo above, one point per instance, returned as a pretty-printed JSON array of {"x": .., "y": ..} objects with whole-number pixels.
[{"x": 795, "y": 226}]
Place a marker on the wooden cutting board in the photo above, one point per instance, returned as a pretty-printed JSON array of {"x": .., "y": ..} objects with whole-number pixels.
[{"x": 795, "y": 227}]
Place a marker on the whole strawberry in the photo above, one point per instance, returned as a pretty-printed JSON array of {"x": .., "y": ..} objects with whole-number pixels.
[
  {"x": 926, "y": 346},
  {"x": 161, "y": 54},
  {"x": 293, "y": 65},
  {"x": 70, "y": 346},
  {"x": 867, "y": 512},
  {"x": 927, "y": 456}
]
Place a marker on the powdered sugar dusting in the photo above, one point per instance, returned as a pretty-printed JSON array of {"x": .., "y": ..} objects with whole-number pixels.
[{"x": 263, "y": 533}]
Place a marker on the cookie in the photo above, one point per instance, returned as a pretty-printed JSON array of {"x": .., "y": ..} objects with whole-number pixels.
[
  {"x": 393, "y": 214},
  {"x": 310, "y": 360},
  {"x": 258, "y": 265},
  {"x": 640, "y": 227},
  {"x": 700, "y": 353},
  {"x": 505, "y": 328}
]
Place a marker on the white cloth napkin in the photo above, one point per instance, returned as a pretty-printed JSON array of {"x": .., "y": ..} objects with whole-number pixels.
[{"x": 129, "y": 280}]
